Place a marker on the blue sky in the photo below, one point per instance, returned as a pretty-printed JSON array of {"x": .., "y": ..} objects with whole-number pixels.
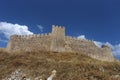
[{"x": 97, "y": 20}]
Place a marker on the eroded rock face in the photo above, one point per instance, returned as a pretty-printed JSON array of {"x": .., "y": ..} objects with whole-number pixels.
[
  {"x": 52, "y": 75},
  {"x": 17, "y": 75},
  {"x": 20, "y": 75}
]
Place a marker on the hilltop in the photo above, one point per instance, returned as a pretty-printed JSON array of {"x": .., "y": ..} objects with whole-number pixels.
[{"x": 69, "y": 66}]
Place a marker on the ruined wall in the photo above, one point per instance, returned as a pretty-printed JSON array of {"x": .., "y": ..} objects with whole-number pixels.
[
  {"x": 58, "y": 42},
  {"x": 88, "y": 47}
]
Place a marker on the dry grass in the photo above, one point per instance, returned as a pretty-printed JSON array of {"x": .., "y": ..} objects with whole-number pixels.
[
  {"x": 69, "y": 66},
  {"x": 2, "y": 50}
]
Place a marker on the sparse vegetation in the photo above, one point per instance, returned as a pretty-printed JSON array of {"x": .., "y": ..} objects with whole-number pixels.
[{"x": 69, "y": 66}]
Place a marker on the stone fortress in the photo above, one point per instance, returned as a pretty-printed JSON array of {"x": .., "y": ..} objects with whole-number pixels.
[{"x": 56, "y": 41}]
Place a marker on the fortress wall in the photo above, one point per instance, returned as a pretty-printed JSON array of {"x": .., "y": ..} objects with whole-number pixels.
[
  {"x": 58, "y": 42},
  {"x": 106, "y": 52},
  {"x": 29, "y": 42},
  {"x": 79, "y": 44},
  {"x": 88, "y": 47}
]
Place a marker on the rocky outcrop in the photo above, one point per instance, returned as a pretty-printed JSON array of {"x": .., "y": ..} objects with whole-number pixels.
[
  {"x": 17, "y": 75},
  {"x": 20, "y": 75}
]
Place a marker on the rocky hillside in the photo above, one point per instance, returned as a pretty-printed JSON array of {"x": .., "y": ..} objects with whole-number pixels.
[{"x": 68, "y": 66}]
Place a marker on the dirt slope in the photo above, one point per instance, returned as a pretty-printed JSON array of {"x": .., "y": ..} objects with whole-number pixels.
[{"x": 69, "y": 66}]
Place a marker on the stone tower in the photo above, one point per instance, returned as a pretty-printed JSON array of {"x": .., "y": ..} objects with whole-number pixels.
[{"x": 57, "y": 38}]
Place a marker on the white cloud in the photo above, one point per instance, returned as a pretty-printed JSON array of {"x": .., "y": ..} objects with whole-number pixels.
[
  {"x": 115, "y": 48},
  {"x": 99, "y": 44},
  {"x": 81, "y": 37},
  {"x": 40, "y": 27},
  {"x": 9, "y": 29}
]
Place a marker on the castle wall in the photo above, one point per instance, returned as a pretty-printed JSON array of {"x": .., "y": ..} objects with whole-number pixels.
[
  {"x": 58, "y": 42},
  {"x": 29, "y": 42},
  {"x": 88, "y": 47}
]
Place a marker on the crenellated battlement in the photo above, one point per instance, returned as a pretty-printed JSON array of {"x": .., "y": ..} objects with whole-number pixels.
[
  {"x": 31, "y": 36},
  {"x": 58, "y": 31},
  {"x": 58, "y": 27},
  {"x": 57, "y": 41}
]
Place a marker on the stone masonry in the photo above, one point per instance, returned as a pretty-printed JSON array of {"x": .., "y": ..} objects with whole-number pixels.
[{"x": 56, "y": 41}]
